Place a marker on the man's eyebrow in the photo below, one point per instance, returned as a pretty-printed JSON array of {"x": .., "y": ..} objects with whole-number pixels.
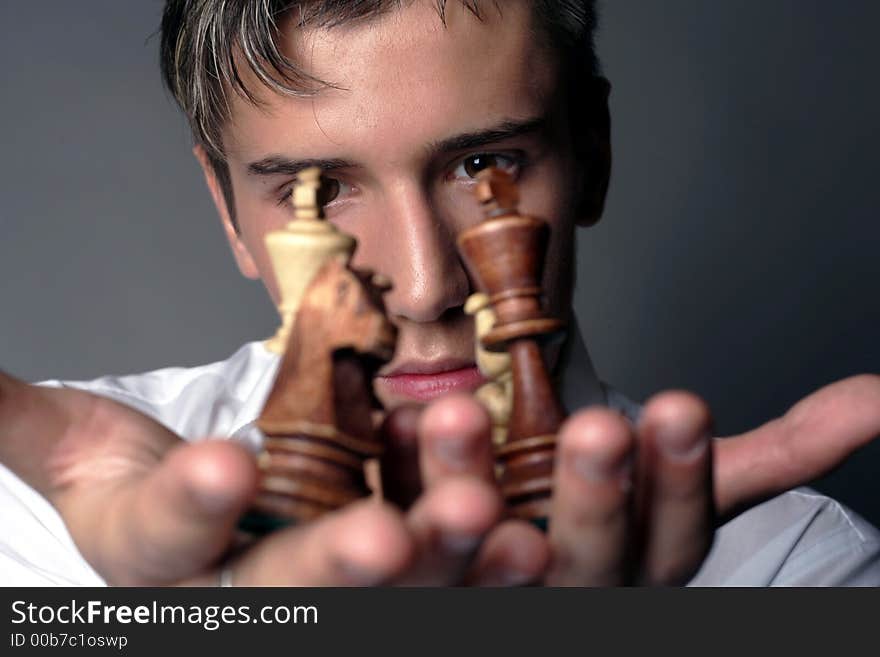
[
  {"x": 500, "y": 132},
  {"x": 278, "y": 164}
]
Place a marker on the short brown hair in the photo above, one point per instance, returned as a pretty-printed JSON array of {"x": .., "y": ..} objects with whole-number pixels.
[{"x": 203, "y": 42}]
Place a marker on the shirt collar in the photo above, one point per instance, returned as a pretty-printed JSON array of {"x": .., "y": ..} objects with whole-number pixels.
[{"x": 578, "y": 384}]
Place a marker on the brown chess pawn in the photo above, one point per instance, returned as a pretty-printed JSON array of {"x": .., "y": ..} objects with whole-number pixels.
[
  {"x": 318, "y": 418},
  {"x": 505, "y": 255}
]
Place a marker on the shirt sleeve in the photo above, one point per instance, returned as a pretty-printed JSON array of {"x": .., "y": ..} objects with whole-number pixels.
[
  {"x": 799, "y": 538},
  {"x": 837, "y": 548},
  {"x": 36, "y": 548}
]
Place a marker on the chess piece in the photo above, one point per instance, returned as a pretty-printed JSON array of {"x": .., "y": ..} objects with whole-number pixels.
[
  {"x": 318, "y": 418},
  {"x": 496, "y": 394},
  {"x": 299, "y": 250},
  {"x": 505, "y": 255}
]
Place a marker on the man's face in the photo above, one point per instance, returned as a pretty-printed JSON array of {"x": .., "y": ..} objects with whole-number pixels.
[{"x": 418, "y": 110}]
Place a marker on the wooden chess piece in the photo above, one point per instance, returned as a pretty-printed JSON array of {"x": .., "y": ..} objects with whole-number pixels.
[
  {"x": 505, "y": 255},
  {"x": 496, "y": 394},
  {"x": 318, "y": 418},
  {"x": 300, "y": 249}
]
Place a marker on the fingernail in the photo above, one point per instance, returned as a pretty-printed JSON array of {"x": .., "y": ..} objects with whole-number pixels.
[
  {"x": 598, "y": 471},
  {"x": 460, "y": 543},
  {"x": 358, "y": 575},
  {"x": 214, "y": 502},
  {"x": 680, "y": 445},
  {"x": 514, "y": 578},
  {"x": 455, "y": 452}
]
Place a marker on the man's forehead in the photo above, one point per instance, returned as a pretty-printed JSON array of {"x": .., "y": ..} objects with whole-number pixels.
[
  {"x": 409, "y": 25},
  {"x": 404, "y": 66}
]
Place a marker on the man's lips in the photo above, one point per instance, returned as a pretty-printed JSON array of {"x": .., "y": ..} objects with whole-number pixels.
[{"x": 424, "y": 383}]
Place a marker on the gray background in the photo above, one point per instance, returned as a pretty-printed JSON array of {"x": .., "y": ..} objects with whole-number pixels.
[{"x": 738, "y": 256}]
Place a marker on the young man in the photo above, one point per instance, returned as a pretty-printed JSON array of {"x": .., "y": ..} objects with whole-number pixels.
[{"x": 402, "y": 104}]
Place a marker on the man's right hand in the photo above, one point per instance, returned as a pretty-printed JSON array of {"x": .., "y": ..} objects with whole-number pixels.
[{"x": 146, "y": 508}]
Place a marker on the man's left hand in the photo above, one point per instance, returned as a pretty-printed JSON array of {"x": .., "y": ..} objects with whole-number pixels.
[{"x": 635, "y": 505}]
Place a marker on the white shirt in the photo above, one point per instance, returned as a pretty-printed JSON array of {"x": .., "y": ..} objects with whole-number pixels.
[{"x": 798, "y": 538}]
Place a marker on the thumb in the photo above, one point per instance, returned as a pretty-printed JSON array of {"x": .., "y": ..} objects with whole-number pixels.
[
  {"x": 178, "y": 519},
  {"x": 811, "y": 439}
]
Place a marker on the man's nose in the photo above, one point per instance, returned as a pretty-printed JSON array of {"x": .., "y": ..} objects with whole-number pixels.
[{"x": 416, "y": 249}]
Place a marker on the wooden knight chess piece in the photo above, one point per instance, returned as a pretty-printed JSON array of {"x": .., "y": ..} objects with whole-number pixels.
[
  {"x": 318, "y": 418},
  {"x": 505, "y": 256}
]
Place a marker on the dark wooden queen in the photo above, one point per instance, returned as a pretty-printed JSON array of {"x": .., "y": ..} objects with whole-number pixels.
[{"x": 505, "y": 255}]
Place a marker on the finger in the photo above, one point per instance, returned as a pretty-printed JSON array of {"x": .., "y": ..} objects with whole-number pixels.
[
  {"x": 36, "y": 422},
  {"x": 176, "y": 520},
  {"x": 364, "y": 544},
  {"x": 677, "y": 520},
  {"x": 811, "y": 439},
  {"x": 31, "y": 425},
  {"x": 55, "y": 437},
  {"x": 448, "y": 524},
  {"x": 455, "y": 440},
  {"x": 401, "y": 479},
  {"x": 590, "y": 526},
  {"x": 515, "y": 553}
]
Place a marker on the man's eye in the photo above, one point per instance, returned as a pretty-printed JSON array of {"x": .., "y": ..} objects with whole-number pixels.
[
  {"x": 473, "y": 164},
  {"x": 331, "y": 190}
]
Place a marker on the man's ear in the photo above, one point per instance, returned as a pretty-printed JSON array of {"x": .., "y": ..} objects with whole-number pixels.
[
  {"x": 593, "y": 149},
  {"x": 243, "y": 257}
]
